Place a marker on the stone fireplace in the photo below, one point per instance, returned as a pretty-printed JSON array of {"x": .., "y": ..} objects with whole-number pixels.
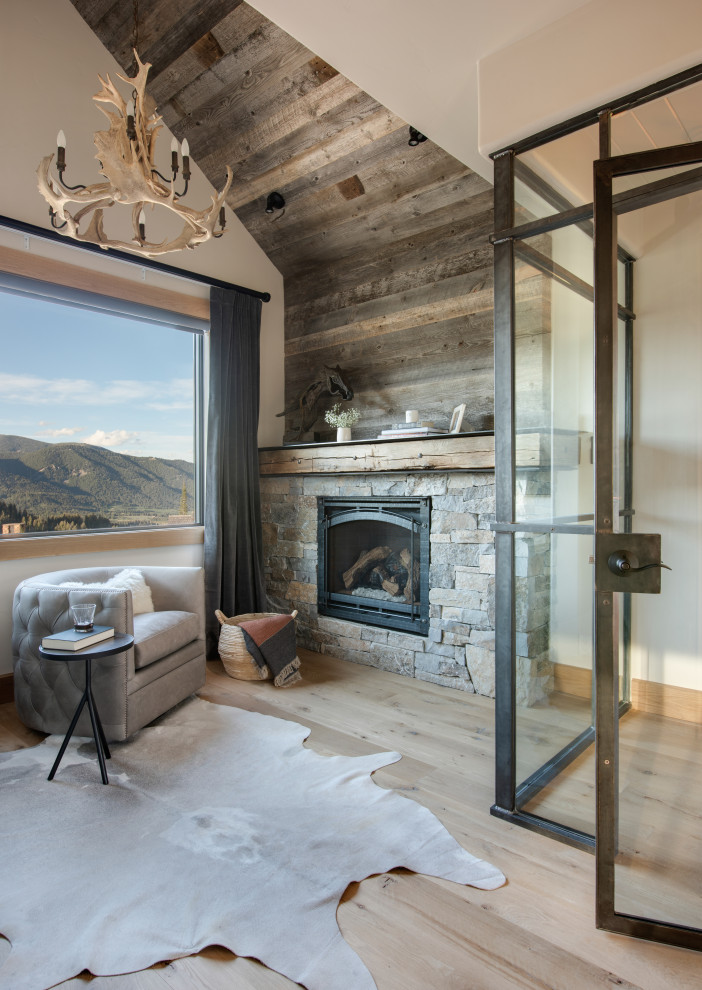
[
  {"x": 373, "y": 561},
  {"x": 455, "y": 478}
]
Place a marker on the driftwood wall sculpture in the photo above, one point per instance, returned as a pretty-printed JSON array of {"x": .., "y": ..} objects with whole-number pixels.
[{"x": 304, "y": 411}]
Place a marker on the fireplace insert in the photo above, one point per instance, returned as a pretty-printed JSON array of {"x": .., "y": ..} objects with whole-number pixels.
[{"x": 374, "y": 561}]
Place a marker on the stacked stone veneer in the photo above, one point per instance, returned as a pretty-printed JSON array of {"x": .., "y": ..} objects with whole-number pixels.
[{"x": 459, "y": 651}]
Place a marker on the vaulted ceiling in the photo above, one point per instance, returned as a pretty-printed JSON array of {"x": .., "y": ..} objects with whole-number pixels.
[
  {"x": 377, "y": 240},
  {"x": 246, "y": 94}
]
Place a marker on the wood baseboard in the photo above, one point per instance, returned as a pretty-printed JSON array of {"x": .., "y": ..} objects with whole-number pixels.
[
  {"x": 576, "y": 681},
  {"x": 667, "y": 699},
  {"x": 646, "y": 696},
  {"x": 7, "y": 688}
]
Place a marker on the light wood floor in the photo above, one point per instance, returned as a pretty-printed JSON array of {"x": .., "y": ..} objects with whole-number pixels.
[{"x": 413, "y": 932}]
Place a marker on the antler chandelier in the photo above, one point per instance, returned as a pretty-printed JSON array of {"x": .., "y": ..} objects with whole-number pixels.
[{"x": 126, "y": 158}]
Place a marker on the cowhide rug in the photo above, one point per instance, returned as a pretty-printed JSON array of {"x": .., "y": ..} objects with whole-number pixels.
[{"x": 217, "y": 827}]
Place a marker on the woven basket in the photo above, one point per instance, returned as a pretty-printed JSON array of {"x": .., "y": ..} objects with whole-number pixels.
[{"x": 237, "y": 660}]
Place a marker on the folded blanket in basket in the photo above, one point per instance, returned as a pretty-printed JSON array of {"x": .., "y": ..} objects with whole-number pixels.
[{"x": 271, "y": 641}]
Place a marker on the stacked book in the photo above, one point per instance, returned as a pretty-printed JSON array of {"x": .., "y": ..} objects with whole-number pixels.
[
  {"x": 403, "y": 430},
  {"x": 77, "y": 639}
]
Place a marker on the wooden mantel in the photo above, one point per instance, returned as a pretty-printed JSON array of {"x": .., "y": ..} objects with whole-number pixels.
[
  {"x": 460, "y": 452},
  {"x": 463, "y": 452}
]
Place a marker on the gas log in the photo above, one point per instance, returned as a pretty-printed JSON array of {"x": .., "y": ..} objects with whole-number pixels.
[{"x": 382, "y": 567}]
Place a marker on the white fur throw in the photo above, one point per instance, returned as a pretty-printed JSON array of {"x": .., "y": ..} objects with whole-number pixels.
[{"x": 131, "y": 579}]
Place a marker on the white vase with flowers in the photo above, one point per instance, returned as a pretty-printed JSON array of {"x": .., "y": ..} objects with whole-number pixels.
[{"x": 343, "y": 420}]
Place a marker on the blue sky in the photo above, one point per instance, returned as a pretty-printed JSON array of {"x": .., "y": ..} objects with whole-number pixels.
[{"x": 67, "y": 374}]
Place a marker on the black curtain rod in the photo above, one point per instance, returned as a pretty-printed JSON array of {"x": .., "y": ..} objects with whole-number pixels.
[{"x": 53, "y": 235}]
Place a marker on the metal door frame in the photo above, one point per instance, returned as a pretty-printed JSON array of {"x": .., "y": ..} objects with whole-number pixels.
[
  {"x": 511, "y": 794},
  {"x": 507, "y": 165}
]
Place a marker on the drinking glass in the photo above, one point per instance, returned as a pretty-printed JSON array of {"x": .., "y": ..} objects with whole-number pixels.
[{"x": 83, "y": 616}]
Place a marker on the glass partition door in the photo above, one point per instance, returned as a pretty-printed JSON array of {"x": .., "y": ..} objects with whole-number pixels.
[
  {"x": 649, "y": 770},
  {"x": 599, "y": 489},
  {"x": 545, "y": 509}
]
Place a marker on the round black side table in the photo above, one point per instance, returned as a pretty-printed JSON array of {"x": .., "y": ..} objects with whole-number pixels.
[{"x": 118, "y": 644}]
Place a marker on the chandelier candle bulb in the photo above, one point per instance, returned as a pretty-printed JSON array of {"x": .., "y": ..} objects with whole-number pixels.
[
  {"x": 61, "y": 151},
  {"x": 142, "y": 225},
  {"x": 174, "y": 157},
  {"x": 131, "y": 129}
]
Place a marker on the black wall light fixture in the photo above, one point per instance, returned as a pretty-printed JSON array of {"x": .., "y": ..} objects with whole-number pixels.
[
  {"x": 274, "y": 202},
  {"x": 415, "y": 137}
]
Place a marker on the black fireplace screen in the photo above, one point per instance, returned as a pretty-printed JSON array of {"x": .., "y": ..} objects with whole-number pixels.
[{"x": 374, "y": 561}]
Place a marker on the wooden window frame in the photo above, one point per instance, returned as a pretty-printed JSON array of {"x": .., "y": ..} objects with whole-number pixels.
[{"x": 61, "y": 273}]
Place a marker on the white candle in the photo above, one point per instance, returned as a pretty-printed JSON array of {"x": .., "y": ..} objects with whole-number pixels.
[{"x": 412, "y": 416}]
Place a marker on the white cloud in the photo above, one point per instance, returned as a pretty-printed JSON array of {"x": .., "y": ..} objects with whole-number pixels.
[
  {"x": 31, "y": 389},
  {"x": 115, "y": 438},
  {"x": 66, "y": 431}
]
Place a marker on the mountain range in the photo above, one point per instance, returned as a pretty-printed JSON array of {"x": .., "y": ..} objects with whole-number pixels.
[{"x": 55, "y": 478}]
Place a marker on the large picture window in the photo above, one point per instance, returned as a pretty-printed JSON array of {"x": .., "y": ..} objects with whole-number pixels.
[{"x": 100, "y": 424}]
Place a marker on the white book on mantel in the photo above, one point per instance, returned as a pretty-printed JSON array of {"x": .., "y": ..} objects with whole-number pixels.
[
  {"x": 73, "y": 639},
  {"x": 420, "y": 431}
]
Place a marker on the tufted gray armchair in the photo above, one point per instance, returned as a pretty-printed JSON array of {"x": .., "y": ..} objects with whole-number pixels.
[{"x": 131, "y": 689}]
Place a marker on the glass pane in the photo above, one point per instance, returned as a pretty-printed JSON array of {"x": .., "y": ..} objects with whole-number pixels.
[
  {"x": 371, "y": 559},
  {"x": 658, "y": 867},
  {"x": 96, "y": 420},
  {"x": 660, "y": 123},
  {"x": 529, "y": 205},
  {"x": 554, "y": 381},
  {"x": 556, "y": 176},
  {"x": 569, "y": 248},
  {"x": 630, "y": 222},
  {"x": 554, "y": 581}
]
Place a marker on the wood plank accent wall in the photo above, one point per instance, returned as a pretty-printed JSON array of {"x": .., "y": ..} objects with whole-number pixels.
[
  {"x": 401, "y": 301},
  {"x": 384, "y": 248}
]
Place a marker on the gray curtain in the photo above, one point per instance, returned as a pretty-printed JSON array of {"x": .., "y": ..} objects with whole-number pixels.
[{"x": 233, "y": 541}]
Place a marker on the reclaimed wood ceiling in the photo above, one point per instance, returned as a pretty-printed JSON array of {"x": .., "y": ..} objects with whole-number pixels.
[{"x": 383, "y": 247}]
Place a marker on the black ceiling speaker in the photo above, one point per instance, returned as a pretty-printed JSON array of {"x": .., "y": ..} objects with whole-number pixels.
[
  {"x": 274, "y": 202},
  {"x": 415, "y": 137}
]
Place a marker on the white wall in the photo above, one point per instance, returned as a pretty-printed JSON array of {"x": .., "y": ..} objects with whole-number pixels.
[
  {"x": 667, "y": 628},
  {"x": 603, "y": 49},
  {"x": 572, "y": 385}
]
